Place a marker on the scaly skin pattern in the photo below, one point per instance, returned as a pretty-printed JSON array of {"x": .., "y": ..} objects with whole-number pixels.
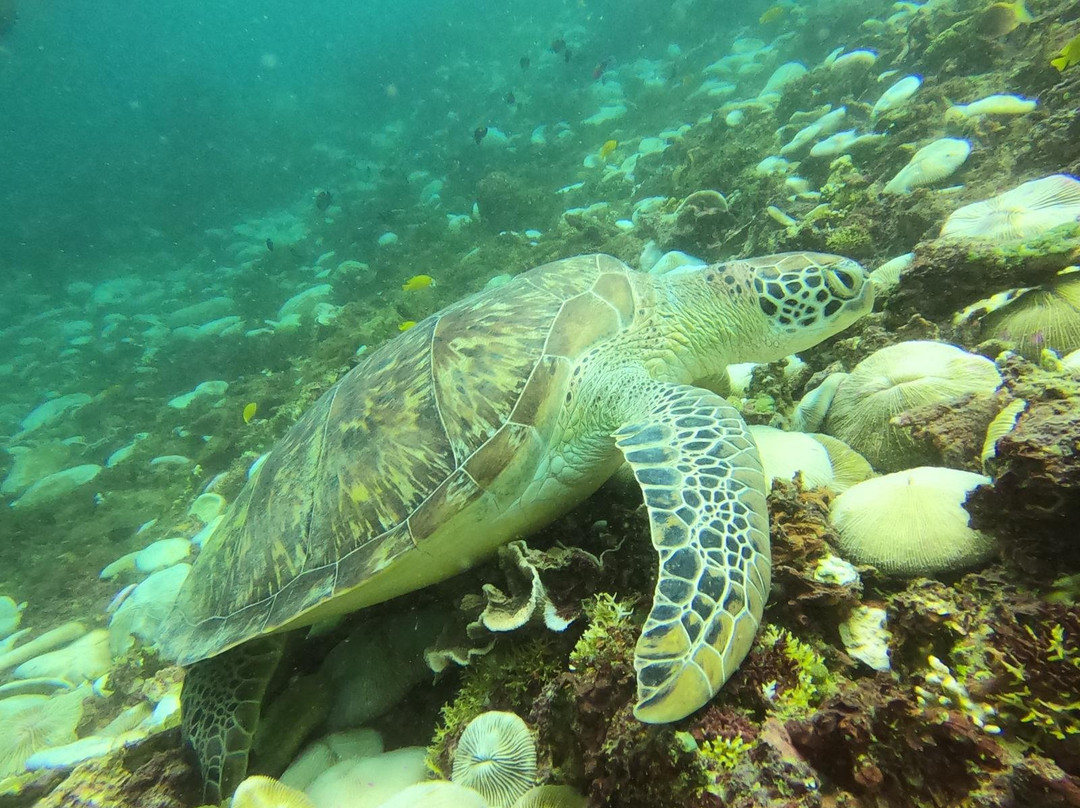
[
  {"x": 495, "y": 416},
  {"x": 694, "y": 457}
]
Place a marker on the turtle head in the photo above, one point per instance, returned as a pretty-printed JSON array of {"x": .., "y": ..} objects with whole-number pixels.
[
  {"x": 808, "y": 297},
  {"x": 779, "y": 304}
]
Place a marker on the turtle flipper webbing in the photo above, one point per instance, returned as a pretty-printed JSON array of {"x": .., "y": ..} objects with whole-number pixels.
[
  {"x": 701, "y": 476},
  {"x": 220, "y": 705}
]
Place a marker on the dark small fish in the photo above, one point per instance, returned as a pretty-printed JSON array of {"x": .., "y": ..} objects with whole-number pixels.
[
  {"x": 558, "y": 45},
  {"x": 598, "y": 71},
  {"x": 479, "y": 134},
  {"x": 525, "y": 62},
  {"x": 566, "y": 57},
  {"x": 510, "y": 99},
  {"x": 270, "y": 244},
  {"x": 323, "y": 200}
]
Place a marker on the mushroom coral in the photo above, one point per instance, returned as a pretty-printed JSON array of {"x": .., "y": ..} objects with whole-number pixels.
[
  {"x": 266, "y": 792},
  {"x": 911, "y": 523},
  {"x": 436, "y": 794},
  {"x": 368, "y": 782},
  {"x": 934, "y": 161},
  {"x": 1027, "y": 211},
  {"x": 1047, "y": 316},
  {"x": 31, "y": 723},
  {"x": 895, "y": 379},
  {"x": 496, "y": 756},
  {"x": 823, "y": 461}
]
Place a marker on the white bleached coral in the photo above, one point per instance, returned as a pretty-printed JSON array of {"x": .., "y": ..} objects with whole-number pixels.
[
  {"x": 55, "y": 486},
  {"x": 827, "y": 124},
  {"x": 84, "y": 659},
  {"x": 842, "y": 143},
  {"x": 328, "y": 751},
  {"x": 33, "y": 723},
  {"x": 944, "y": 689},
  {"x": 932, "y": 163},
  {"x": 436, "y": 794},
  {"x": 52, "y": 411},
  {"x": 1004, "y": 423},
  {"x": 1044, "y": 317},
  {"x": 54, "y": 638},
  {"x": 376, "y": 778},
  {"x": 993, "y": 105},
  {"x": 887, "y": 276},
  {"x": 911, "y": 523},
  {"x": 897, "y": 95},
  {"x": 207, "y": 507},
  {"x": 892, "y": 380},
  {"x": 551, "y": 797},
  {"x": 213, "y": 389},
  {"x": 265, "y": 792},
  {"x": 34, "y": 462},
  {"x": 162, "y": 553},
  {"x": 10, "y": 615},
  {"x": 496, "y": 756},
  {"x": 1027, "y": 211},
  {"x": 819, "y": 459},
  {"x": 866, "y": 637},
  {"x": 145, "y": 607},
  {"x": 780, "y": 78}
]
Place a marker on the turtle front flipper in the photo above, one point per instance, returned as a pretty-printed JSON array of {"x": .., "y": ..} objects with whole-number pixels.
[
  {"x": 701, "y": 476},
  {"x": 220, "y": 705}
]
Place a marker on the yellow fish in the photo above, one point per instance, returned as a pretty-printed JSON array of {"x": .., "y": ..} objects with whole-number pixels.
[
  {"x": 773, "y": 13},
  {"x": 405, "y": 325},
  {"x": 249, "y": 411},
  {"x": 1000, "y": 19},
  {"x": 608, "y": 147},
  {"x": 417, "y": 282},
  {"x": 1070, "y": 54}
]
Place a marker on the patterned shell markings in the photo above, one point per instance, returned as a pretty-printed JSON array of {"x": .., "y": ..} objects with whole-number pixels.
[{"x": 405, "y": 440}]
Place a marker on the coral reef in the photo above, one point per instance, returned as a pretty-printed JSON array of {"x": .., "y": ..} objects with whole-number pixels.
[
  {"x": 950, "y": 433},
  {"x": 1034, "y": 503},
  {"x": 980, "y": 705},
  {"x": 149, "y": 776},
  {"x": 507, "y": 202},
  {"x": 975, "y": 270}
]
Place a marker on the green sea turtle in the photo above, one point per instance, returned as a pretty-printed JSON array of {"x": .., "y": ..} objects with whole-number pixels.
[{"x": 485, "y": 422}]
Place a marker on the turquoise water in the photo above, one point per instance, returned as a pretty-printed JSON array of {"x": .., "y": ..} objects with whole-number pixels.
[
  {"x": 211, "y": 216},
  {"x": 129, "y": 129}
]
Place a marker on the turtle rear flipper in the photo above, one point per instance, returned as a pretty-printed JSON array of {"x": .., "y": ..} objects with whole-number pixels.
[
  {"x": 220, "y": 705},
  {"x": 701, "y": 476}
]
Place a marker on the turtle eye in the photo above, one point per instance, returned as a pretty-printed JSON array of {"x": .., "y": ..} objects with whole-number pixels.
[{"x": 843, "y": 282}]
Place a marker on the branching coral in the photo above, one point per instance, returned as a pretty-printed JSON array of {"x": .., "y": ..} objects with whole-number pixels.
[
  {"x": 1000, "y": 656},
  {"x": 606, "y": 616},
  {"x": 809, "y": 681}
]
